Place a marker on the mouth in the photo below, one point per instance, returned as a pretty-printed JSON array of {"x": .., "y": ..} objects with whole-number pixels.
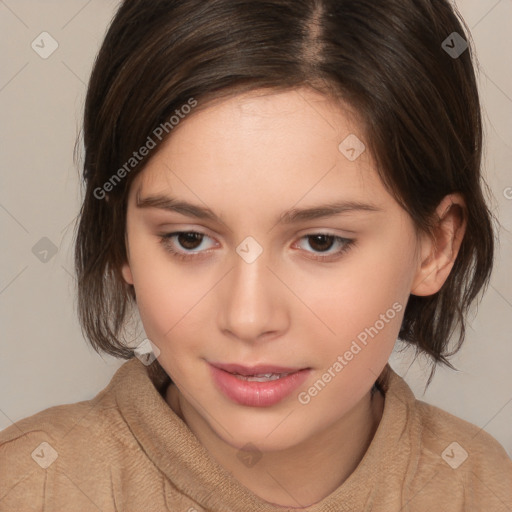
[
  {"x": 262, "y": 385},
  {"x": 258, "y": 373},
  {"x": 265, "y": 377}
]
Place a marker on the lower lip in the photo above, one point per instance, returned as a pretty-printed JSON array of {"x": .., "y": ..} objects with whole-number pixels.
[{"x": 257, "y": 394}]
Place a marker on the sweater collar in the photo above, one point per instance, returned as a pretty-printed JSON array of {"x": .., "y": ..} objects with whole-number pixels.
[{"x": 179, "y": 455}]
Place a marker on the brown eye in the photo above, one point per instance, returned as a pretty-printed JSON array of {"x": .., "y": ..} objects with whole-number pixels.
[
  {"x": 185, "y": 245},
  {"x": 190, "y": 240},
  {"x": 321, "y": 242}
]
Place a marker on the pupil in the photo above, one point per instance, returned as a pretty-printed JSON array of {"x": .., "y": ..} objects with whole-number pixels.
[
  {"x": 320, "y": 238},
  {"x": 188, "y": 239}
]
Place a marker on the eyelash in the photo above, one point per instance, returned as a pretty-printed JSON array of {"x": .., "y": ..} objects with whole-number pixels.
[{"x": 165, "y": 240}]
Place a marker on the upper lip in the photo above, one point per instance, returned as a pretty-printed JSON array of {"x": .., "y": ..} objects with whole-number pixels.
[{"x": 254, "y": 370}]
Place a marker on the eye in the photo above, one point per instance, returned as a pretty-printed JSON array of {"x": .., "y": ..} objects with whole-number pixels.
[
  {"x": 190, "y": 242},
  {"x": 323, "y": 242},
  {"x": 187, "y": 240}
]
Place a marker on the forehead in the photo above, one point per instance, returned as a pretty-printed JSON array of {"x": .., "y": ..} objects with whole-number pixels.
[
  {"x": 266, "y": 110},
  {"x": 272, "y": 142}
]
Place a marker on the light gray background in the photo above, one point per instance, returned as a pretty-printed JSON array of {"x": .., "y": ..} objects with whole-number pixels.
[{"x": 44, "y": 358}]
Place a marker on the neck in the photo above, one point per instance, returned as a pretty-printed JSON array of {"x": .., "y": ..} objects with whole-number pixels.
[{"x": 303, "y": 474}]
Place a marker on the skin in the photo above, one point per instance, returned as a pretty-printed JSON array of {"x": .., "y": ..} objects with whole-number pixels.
[{"x": 249, "y": 158}]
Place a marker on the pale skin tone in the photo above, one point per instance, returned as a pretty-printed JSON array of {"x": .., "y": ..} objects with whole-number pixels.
[{"x": 249, "y": 159}]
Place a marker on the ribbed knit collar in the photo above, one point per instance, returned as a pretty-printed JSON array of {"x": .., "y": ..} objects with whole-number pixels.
[{"x": 179, "y": 455}]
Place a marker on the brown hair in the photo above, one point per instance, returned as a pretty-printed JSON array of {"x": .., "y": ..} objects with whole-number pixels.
[{"x": 387, "y": 59}]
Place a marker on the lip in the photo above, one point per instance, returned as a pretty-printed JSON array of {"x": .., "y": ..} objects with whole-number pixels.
[
  {"x": 254, "y": 370},
  {"x": 252, "y": 393}
]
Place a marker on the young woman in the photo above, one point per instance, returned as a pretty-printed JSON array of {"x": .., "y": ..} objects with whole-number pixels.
[{"x": 280, "y": 189}]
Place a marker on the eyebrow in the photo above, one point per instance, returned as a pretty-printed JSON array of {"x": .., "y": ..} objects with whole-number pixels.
[{"x": 291, "y": 216}]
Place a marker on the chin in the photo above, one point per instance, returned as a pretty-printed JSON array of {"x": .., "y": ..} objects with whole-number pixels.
[{"x": 266, "y": 434}]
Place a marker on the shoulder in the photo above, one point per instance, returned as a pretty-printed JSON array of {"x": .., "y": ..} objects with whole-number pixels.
[
  {"x": 463, "y": 459},
  {"x": 440, "y": 461},
  {"x": 441, "y": 425},
  {"x": 58, "y": 445}
]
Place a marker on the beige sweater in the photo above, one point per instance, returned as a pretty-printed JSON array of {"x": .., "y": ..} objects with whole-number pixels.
[{"x": 126, "y": 450}]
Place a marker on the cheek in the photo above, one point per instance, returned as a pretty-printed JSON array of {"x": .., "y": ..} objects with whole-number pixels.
[
  {"x": 364, "y": 300},
  {"x": 170, "y": 298},
  {"x": 159, "y": 292}
]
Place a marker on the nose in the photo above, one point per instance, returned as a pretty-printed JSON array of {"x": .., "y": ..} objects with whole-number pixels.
[{"x": 252, "y": 302}]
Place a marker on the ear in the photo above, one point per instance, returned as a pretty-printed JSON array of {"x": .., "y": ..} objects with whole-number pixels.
[
  {"x": 126, "y": 271},
  {"x": 438, "y": 253}
]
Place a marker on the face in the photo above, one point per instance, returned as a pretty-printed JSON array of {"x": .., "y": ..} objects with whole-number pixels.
[{"x": 244, "y": 278}]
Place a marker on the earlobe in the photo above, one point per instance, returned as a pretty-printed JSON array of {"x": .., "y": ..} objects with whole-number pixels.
[
  {"x": 438, "y": 253},
  {"x": 127, "y": 273}
]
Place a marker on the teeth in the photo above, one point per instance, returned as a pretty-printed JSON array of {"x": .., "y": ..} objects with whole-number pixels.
[{"x": 263, "y": 377}]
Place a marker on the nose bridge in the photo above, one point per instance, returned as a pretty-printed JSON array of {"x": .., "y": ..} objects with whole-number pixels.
[{"x": 250, "y": 305}]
